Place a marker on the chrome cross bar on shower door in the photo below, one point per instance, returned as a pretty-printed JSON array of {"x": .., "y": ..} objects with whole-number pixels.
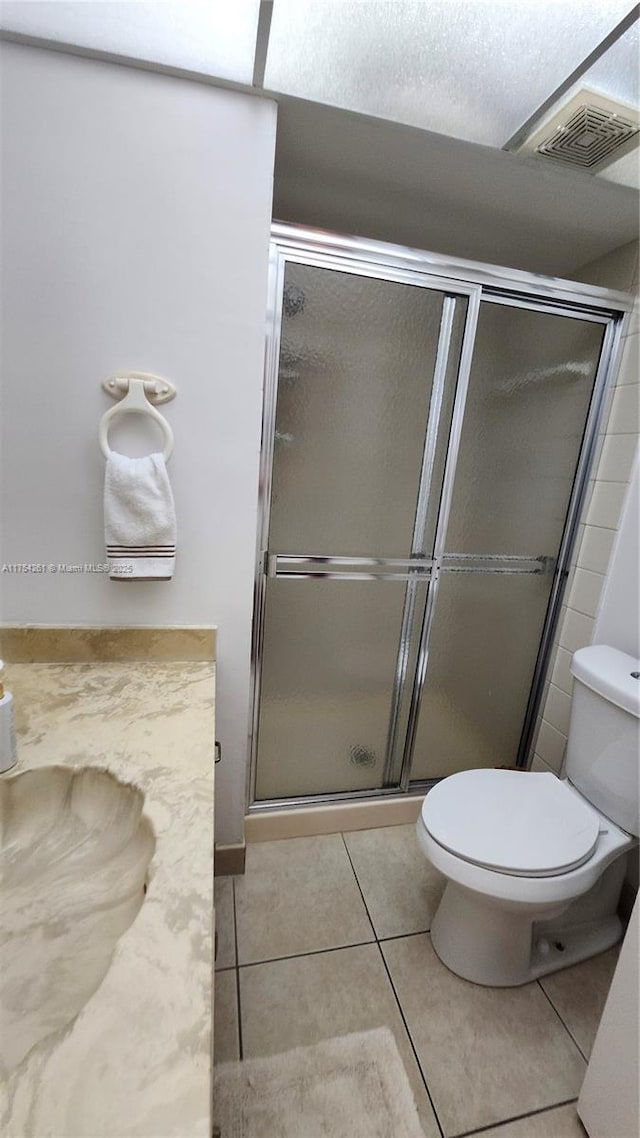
[
  {"x": 496, "y": 563},
  {"x": 347, "y": 568}
]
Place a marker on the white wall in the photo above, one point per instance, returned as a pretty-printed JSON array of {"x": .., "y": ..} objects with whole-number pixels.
[{"x": 136, "y": 213}]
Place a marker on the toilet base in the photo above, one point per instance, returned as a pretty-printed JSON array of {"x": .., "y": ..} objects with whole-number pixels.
[{"x": 502, "y": 945}]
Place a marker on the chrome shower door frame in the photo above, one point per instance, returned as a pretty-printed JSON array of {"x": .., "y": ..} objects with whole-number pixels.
[
  {"x": 606, "y": 370},
  {"x": 456, "y": 279},
  {"x": 415, "y": 569}
]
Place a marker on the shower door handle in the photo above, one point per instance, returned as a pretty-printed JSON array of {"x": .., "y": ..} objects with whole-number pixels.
[
  {"x": 400, "y": 568},
  {"x": 347, "y": 568},
  {"x": 497, "y": 563}
]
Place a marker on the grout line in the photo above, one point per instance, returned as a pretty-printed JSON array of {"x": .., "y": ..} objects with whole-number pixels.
[
  {"x": 515, "y": 1118},
  {"x": 401, "y": 936},
  {"x": 610, "y": 529},
  {"x": 410, "y": 1038},
  {"x": 614, "y": 481},
  {"x": 353, "y": 870},
  {"x": 567, "y": 1029},
  {"x": 237, "y": 972},
  {"x": 590, "y": 525},
  {"x": 581, "y": 612},
  {"x": 310, "y": 952},
  {"x": 402, "y": 1016},
  {"x": 331, "y": 948}
]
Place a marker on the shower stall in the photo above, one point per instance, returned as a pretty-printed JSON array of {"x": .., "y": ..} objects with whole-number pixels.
[{"x": 428, "y": 430}]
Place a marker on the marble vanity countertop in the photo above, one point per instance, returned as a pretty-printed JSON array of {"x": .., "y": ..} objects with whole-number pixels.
[{"x": 136, "y": 1060}]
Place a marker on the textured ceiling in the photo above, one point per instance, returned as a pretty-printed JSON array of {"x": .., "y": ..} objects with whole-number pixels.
[
  {"x": 407, "y": 106},
  {"x": 471, "y": 69}
]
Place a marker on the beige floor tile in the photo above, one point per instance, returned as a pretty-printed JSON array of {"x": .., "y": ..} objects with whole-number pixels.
[
  {"x": 226, "y": 955},
  {"x": 488, "y": 1054},
  {"x": 297, "y": 1002},
  {"x": 401, "y": 889},
  {"x": 578, "y": 995},
  {"x": 563, "y": 1122},
  {"x": 225, "y": 1008},
  {"x": 298, "y": 895}
]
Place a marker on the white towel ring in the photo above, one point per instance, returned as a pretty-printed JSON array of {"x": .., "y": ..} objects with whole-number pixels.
[{"x": 135, "y": 400}]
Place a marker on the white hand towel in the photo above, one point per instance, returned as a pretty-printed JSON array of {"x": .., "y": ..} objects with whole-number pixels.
[{"x": 139, "y": 518}]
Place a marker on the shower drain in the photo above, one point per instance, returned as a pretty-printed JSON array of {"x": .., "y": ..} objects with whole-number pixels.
[{"x": 362, "y": 757}]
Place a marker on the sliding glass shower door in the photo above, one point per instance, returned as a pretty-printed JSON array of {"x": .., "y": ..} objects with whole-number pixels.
[
  {"x": 424, "y": 457},
  {"x": 528, "y": 398},
  {"x": 367, "y": 376}
]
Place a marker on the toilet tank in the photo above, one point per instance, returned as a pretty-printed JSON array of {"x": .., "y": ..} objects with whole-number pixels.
[{"x": 603, "y": 750}]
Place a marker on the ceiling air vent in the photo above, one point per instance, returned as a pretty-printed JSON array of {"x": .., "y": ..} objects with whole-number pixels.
[{"x": 589, "y": 131}]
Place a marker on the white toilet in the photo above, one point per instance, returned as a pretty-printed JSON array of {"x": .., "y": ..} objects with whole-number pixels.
[{"x": 533, "y": 863}]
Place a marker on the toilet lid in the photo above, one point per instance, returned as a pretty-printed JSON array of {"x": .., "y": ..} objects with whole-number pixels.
[{"x": 524, "y": 823}]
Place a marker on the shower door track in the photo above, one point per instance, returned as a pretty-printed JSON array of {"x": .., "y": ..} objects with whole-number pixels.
[
  {"x": 479, "y": 284},
  {"x": 310, "y": 245}
]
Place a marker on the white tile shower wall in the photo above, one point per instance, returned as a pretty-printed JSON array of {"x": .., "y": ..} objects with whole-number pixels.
[
  {"x": 601, "y": 571},
  {"x": 137, "y": 210},
  {"x": 618, "y": 619}
]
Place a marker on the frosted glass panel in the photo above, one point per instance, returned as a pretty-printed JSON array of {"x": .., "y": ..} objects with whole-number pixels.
[
  {"x": 529, "y": 392},
  {"x": 482, "y": 655},
  {"x": 199, "y": 35},
  {"x": 474, "y": 69},
  {"x": 354, "y": 387},
  {"x": 329, "y": 666}
]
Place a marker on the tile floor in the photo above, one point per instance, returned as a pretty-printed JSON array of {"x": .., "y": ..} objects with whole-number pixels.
[{"x": 329, "y": 935}]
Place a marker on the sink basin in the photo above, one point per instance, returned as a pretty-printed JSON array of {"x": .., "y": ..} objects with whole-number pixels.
[{"x": 74, "y": 852}]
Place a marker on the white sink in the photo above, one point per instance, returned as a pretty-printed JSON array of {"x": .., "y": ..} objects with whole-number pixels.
[{"x": 75, "y": 848}]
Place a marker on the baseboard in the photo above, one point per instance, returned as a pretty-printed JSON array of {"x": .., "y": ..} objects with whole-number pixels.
[
  {"x": 228, "y": 860},
  {"x": 308, "y": 821}
]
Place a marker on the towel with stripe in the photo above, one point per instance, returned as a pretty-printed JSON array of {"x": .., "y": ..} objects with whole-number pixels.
[{"x": 139, "y": 518}]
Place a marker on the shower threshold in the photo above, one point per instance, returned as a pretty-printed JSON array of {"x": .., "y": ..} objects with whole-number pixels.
[{"x": 331, "y": 818}]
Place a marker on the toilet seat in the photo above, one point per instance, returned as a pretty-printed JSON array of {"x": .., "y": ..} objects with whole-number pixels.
[{"x": 524, "y": 825}]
